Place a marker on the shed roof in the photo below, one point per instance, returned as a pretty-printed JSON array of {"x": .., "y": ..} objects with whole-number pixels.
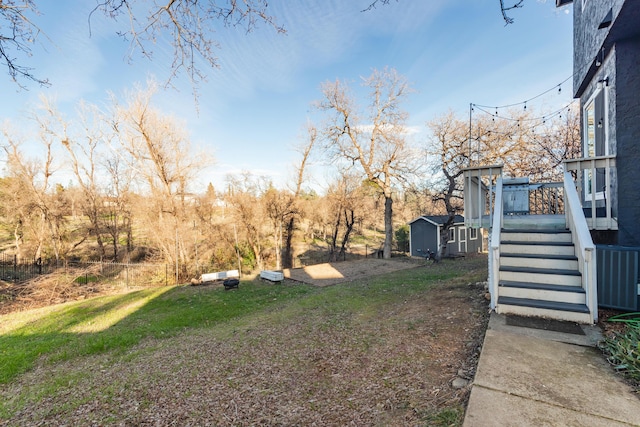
[{"x": 439, "y": 219}]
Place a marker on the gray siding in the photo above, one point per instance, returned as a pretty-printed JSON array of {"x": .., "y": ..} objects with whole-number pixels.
[
  {"x": 617, "y": 48},
  {"x": 628, "y": 140},
  {"x": 423, "y": 236},
  {"x": 588, "y": 39}
]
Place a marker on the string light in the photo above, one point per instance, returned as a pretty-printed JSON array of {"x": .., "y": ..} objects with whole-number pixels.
[
  {"x": 559, "y": 86},
  {"x": 534, "y": 121}
]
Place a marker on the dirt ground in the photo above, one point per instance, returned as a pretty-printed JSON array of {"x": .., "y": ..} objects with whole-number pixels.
[
  {"x": 340, "y": 272},
  {"x": 393, "y": 366}
]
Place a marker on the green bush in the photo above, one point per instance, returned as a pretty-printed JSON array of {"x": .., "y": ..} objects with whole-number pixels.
[
  {"x": 402, "y": 237},
  {"x": 623, "y": 349}
]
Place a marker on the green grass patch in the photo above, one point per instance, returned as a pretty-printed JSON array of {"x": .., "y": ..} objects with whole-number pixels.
[
  {"x": 623, "y": 349},
  {"x": 119, "y": 322},
  {"x": 83, "y": 280}
]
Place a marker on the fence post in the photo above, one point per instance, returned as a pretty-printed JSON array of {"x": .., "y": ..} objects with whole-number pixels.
[{"x": 15, "y": 268}]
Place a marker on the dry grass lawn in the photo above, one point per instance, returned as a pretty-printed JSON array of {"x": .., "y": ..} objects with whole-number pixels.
[{"x": 331, "y": 359}]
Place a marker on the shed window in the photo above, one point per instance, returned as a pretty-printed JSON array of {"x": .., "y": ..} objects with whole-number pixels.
[
  {"x": 473, "y": 233},
  {"x": 452, "y": 235}
]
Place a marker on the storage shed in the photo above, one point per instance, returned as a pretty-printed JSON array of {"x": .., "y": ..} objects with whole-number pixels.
[{"x": 424, "y": 235}]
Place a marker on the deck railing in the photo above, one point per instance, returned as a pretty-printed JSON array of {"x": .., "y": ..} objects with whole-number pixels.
[
  {"x": 546, "y": 198},
  {"x": 494, "y": 245},
  {"x": 585, "y": 250},
  {"x": 599, "y": 174},
  {"x": 478, "y": 195}
]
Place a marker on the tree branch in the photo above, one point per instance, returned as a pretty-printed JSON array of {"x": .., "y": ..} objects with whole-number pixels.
[{"x": 507, "y": 19}]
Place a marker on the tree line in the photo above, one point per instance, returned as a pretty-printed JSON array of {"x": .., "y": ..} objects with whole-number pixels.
[{"x": 132, "y": 170}]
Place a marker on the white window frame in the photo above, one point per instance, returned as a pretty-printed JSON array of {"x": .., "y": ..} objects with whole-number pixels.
[
  {"x": 452, "y": 235},
  {"x": 473, "y": 233},
  {"x": 587, "y": 179}
]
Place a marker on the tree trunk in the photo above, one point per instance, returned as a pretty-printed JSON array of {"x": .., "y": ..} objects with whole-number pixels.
[
  {"x": 287, "y": 256},
  {"x": 388, "y": 226},
  {"x": 349, "y": 222},
  {"x": 334, "y": 238},
  {"x": 444, "y": 236}
]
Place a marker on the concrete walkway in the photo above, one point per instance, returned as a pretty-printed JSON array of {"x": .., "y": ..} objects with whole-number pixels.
[{"x": 533, "y": 377}]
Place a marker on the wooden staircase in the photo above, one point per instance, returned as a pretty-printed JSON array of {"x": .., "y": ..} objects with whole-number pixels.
[{"x": 538, "y": 270}]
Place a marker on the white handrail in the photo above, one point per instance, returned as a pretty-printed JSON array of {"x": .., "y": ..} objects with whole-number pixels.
[
  {"x": 584, "y": 247},
  {"x": 586, "y": 170},
  {"x": 494, "y": 245}
]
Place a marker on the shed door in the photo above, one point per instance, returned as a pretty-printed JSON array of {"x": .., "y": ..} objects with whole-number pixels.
[{"x": 462, "y": 239}]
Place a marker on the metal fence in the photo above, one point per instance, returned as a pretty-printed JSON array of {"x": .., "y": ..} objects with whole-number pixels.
[
  {"x": 618, "y": 279},
  {"x": 20, "y": 270},
  {"x": 15, "y": 269},
  {"x": 122, "y": 274}
]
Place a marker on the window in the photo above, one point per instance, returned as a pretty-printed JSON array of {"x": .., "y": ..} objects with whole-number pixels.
[
  {"x": 473, "y": 234},
  {"x": 595, "y": 141},
  {"x": 452, "y": 235}
]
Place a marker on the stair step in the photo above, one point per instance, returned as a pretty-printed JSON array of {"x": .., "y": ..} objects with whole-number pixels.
[
  {"x": 550, "y": 276},
  {"x": 561, "y": 262},
  {"x": 530, "y": 243},
  {"x": 548, "y": 305},
  {"x": 557, "y": 271},
  {"x": 536, "y": 235},
  {"x": 539, "y": 256},
  {"x": 542, "y": 291},
  {"x": 535, "y": 222},
  {"x": 535, "y": 230},
  {"x": 548, "y": 309},
  {"x": 537, "y": 248},
  {"x": 541, "y": 286}
]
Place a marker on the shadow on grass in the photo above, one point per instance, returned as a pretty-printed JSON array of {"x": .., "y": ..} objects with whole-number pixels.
[{"x": 119, "y": 322}]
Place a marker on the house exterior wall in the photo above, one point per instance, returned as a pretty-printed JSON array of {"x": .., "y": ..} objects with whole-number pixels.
[
  {"x": 627, "y": 107},
  {"x": 611, "y": 55},
  {"x": 588, "y": 39}
]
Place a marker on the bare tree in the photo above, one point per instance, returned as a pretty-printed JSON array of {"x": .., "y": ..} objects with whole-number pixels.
[
  {"x": 83, "y": 154},
  {"x": 187, "y": 26},
  {"x": 449, "y": 145},
  {"x": 374, "y": 140},
  {"x": 41, "y": 205},
  {"x": 295, "y": 211},
  {"x": 18, "y": 33},
  {"x": 164, "y": 165},
  {"x": 118, "y": 209},
  {"x": 345, "y": 200},
  {"x": 244, "y": 198}
]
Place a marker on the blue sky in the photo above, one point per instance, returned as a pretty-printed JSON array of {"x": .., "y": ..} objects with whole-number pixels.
[{"x": 252, "y": 110}]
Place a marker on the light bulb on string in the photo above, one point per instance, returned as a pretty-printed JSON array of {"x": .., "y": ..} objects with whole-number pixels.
[{"x": 559, "y": 89}]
